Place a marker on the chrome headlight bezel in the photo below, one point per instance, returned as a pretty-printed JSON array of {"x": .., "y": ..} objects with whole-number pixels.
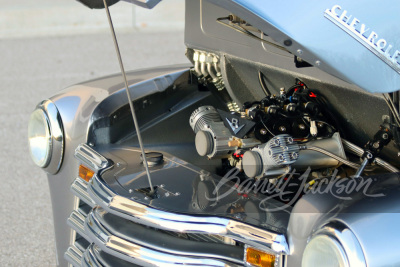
[
  {"x": 345, "y": 240},
  {"x": 55, "y": 129}
]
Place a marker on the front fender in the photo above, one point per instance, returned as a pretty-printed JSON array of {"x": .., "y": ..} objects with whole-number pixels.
[
  {"x": 76, "y": 105},
  {"x": 369, "y": 213}
]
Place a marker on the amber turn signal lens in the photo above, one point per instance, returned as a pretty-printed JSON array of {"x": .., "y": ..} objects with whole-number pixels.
[
  {"x": 85, "y": 173},
  {"x": 259, "y": 258}
]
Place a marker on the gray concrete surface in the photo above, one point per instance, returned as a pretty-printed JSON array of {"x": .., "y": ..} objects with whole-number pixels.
[
  {"x": 31, "y": 70},
  {"x": 27, "y": 18}
]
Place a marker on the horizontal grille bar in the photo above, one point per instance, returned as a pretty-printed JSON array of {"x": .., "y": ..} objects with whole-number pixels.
[
  {"x": 160, "y": 241},
  {"x": 129, "y": 209},
  {"x": 142, "y": 246},
  {"x": 120, "y": 231},
  {"x": 74, "y": 256},
  {"x": 131, "y": 251},
  {"x": 79, "y": 189},
  {"x": 77, "y": 221}
]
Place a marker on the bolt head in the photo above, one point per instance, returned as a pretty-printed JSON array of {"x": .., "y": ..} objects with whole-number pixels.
[{"x": 287, "y": 42}]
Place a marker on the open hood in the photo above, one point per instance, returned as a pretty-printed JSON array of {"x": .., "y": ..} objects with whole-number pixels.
[{"x": 357, "y": 43}]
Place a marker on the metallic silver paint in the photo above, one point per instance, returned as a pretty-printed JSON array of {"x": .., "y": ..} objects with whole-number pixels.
[
  {"x": 370, "y": 221},
  {"x": 374, "y": 223},
  {"x": 347, "y": 240},
  {"x": 76, "y": 106}
]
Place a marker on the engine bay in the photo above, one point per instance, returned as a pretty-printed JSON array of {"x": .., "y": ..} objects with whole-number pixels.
[
  {"x": 286, "y": 134},
  {"x": 265, "y": 125}
]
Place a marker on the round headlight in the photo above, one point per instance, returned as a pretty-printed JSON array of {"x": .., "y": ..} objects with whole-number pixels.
[
  {"x": 324, "y": 251},
  {"x": 46, "y": 137},
  {"x": 39, "y": 138}
]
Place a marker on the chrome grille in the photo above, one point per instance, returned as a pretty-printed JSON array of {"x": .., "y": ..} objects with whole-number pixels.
[
  {"x": 108, "y": 245},
  {"x": 115, "y": 231}
]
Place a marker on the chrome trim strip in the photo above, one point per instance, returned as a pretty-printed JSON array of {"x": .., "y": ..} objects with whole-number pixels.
[
  {"x": 140, "y": 255},
  {"x": 79, "y": 189},
  {"x": 94, "y": 257},
  {"x": 158, "y": 240},
  {"x": 73, "y": 256},
  {"x": 90, "y": 157},
  {"x": 56, "y": 134},
  {"x": 77, "y": 221},
  {"x": 139, "y": 213},
  {"x": 89, "y": 259}
]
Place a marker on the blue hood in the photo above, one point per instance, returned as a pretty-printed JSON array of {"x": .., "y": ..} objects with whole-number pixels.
[{"x": 358, "y": 42}]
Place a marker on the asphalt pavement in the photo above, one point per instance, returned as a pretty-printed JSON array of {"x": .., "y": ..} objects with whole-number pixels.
[{"x": 33, "y": 69}]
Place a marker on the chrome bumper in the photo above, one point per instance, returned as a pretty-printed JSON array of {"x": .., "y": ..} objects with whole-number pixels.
[
  {"x": 137, "y": 245},
  {"x": 120, "y": 231},
  {"x": 142, "y": 214}
]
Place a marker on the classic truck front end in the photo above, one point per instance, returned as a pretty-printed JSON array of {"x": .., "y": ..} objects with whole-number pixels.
[{"x": 223, "y": 197}]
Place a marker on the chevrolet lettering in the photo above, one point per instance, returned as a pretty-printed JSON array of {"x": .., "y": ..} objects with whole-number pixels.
[{"x": 365, "y": 35}]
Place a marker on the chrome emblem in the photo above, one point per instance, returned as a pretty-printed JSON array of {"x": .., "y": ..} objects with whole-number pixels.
[
  {"x": 364, "y": 35},
  {"x": 234, "y": 124}
]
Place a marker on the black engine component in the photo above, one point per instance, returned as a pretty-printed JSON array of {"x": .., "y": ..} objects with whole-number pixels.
[{"x": 296, "y": 112}]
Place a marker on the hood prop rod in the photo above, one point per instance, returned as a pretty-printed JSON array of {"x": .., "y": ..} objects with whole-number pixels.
[{"x": 135, "y": 121}]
